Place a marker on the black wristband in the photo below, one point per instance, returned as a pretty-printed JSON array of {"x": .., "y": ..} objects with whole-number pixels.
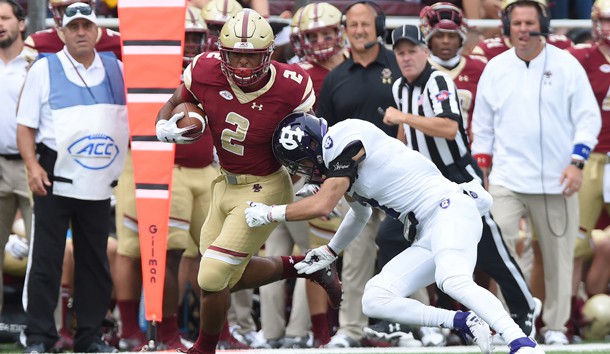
[
  {"x": 578, "y": 163},
  {"x": 331, "y": 250}
]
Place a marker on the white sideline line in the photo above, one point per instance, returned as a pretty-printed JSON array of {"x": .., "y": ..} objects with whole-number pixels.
[{"x": 572, "y": 348}]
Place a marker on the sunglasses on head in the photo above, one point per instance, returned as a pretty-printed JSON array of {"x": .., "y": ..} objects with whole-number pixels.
[{"x": 83, "y": 9}]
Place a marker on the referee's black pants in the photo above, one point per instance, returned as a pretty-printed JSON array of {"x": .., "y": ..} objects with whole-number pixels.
[
  {"x": 493, "y": 257},
  {"x": 92, "y": 282}
]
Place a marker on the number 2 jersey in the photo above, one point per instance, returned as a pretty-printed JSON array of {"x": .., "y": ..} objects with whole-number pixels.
[
  {"x": 242, "y": 124},
  {"x": 392, "y": 177}
]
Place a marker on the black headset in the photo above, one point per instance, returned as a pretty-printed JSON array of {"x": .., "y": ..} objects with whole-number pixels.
[
  {"x": 379, "y": 19},
  {"x": 543, "y": 18}
]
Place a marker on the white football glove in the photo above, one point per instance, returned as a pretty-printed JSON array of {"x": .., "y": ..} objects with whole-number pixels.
[
  {"x": 168, "y": 131},
  {"x": 307, "y": 190},
  {"x": 259, "y": 214},
  {"x": 17, "y": 246},
  {"x": 315, "y": 260}
]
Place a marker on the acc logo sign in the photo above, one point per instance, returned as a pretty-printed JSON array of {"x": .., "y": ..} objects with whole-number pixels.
[
  {"x": 290, "y": 139},
  {"x": 94, "y": 152}
]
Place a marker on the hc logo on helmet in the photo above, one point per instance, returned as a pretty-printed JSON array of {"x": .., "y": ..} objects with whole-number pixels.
[
  {"x": 94, "y": 152},
  {"x": 290, "y": 139}
]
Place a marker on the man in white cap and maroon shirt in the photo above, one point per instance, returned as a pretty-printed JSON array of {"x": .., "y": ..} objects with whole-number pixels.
[{"x": 72, "y": 134}]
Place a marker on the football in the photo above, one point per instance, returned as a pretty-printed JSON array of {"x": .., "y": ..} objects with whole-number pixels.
[{"x": 194, "y": 117}]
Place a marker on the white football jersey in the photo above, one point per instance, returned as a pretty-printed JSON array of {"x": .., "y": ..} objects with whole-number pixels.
[{"x": 393, "y": 177}]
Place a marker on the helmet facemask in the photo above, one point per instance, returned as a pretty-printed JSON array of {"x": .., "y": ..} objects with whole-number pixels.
[
  {"x": 324, "y": 50},
  {"x": 247, "y": 33},
  {"x": 318, "y": 18},
  {"x": 443, "y": 17},
  {"x": 600, "y": 12}
]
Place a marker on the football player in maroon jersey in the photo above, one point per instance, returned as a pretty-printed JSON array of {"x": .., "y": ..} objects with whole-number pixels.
[
  {"x": 245, "y": 95},
  {"x": 592, "y": 198},
  {"x": 215, "y": 13},
  {"x": 321, "y": 38},
  {"x": 445, "y": 30},
  {"x": 491, "y": 47},
  {"x": 51, "y": 40}
]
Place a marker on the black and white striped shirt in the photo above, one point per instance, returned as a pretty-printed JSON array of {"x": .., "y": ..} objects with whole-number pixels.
[{"x": 434, "y": 94}]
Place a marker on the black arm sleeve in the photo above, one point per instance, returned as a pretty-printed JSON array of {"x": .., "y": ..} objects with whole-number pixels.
[{"x": 344, "y": 164}]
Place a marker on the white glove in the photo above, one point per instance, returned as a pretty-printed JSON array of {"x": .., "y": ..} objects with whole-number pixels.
[
  {"x": 315, "y": 260},
  {"x": 259, "y": 214},
  {"x": 307, "y": 190},
  {"x": 168, "y": 131},
  {"x": 17, "y": 246}
]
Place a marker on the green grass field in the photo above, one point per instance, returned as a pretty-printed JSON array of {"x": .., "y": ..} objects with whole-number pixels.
[{"x": 589, "y": 348}]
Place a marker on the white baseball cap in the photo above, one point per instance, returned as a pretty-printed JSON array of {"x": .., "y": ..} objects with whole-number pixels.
[{"x": 78, "y": 10}]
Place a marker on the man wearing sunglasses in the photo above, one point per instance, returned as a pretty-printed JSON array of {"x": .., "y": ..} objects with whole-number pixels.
[
  {"x": 51, "y": 40},
  {"x": 72, "y": 109}
]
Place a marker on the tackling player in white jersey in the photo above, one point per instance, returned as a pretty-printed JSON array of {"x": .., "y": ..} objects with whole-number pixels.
[{"x": 442, "y": 219}]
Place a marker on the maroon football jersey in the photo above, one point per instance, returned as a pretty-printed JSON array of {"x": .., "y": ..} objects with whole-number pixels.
[
  {"x": 317, "y": 73},
  {"x": 196, "y": 155},
  {"x": 598, "y": 70},
  {"x": 491, "y": 47},
  {"x": 51, "y": 41},
  {"x": 466, "y": 77},
  {"x": 242, "y": 124}
]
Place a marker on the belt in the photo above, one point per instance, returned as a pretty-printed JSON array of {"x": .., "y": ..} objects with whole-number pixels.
[
  {"x": 11, "y": 156},
  {"x": 241, "y": 179}
]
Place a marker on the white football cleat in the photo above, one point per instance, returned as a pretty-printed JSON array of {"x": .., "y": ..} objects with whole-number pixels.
[
  {"x": 525, "y": 345},
  {"x": 470, "y": 325}
]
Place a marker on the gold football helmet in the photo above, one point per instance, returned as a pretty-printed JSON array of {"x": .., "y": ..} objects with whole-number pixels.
[
  {"x": 57, "y": 8},
  {"x": 444, "y": 17},
  {"x": 315, "y": 18},
  {"x": 600, "y": 10},
  {"x": 596, "y": 317},
  {"x": 246, "y": 33},
  {"x": 295, "y": 41},
  {"x": 215, "y": 14},
  {"x": 196, "y": 33}
]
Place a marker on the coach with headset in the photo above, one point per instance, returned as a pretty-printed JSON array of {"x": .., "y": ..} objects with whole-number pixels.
[
  {"x": 535, "y": 122},
  {"x": 356, "y": 89}
]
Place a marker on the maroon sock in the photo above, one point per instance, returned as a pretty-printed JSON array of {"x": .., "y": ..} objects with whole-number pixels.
[
  {"x": 206, "y": 343},
  {"x": 225, "y": 333},
  {"x": 319, "y": 327},
  {"x": 168, "y": 329},
  {"x": 128, "y": 310},
  {"x": 288, "y": 263},
  {"x": 65, "y": 310}
]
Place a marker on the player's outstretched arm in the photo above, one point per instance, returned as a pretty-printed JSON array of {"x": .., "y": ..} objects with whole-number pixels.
[{"x": 320, "y": 204}]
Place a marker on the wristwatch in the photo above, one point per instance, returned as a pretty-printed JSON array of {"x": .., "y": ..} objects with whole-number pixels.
[{"x": 578, "y": 163}]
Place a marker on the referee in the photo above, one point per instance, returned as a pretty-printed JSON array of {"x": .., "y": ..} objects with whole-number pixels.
[{"x": 429, "y": 120}]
